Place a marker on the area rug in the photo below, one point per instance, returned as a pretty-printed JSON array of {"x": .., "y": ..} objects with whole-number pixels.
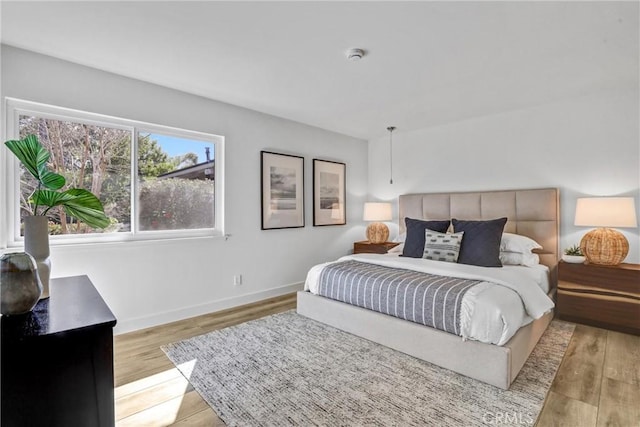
[{"x": 288, "y": 370}]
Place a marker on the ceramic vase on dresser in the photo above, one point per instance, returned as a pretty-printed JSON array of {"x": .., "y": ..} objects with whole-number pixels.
[
  {"x": 36, "y": 244},
  {"x": 20, "y": 287}
]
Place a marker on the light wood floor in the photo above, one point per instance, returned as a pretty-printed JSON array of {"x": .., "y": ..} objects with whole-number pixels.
[{"x": 598, "y": 383}]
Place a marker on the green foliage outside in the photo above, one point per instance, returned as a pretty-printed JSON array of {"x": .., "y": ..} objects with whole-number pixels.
[
  {"x": 98, "y": 160},
  {"x": 174, "y": 204},
  {"x": 152, "y": 161}
]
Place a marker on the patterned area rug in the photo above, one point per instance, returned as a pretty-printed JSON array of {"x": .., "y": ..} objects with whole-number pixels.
[{"x": 287, "y": 369}]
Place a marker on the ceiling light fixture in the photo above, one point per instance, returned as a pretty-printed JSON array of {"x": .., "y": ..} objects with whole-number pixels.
[
  {"x": 391, "y": 129},
  {"x": 355, "y": 54}
]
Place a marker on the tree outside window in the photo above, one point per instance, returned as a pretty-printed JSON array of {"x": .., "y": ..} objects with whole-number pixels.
[{"x": 175, "y": 175}]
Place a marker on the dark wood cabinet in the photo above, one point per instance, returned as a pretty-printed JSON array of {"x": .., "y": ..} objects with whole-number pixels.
[
  {"x": 600, "y": 295},
  {"x": 366, "y": 247},
  {"x": 57, "y": 361}
]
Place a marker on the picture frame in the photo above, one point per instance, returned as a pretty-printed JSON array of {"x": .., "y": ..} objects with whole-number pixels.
[
  {"x": 282, "y": 190},
  {"x": 329, "y": 193}
]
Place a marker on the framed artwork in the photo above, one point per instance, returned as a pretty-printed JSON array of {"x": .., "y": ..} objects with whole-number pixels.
[
  {"x": 329, "y": 193},
  {"x": 282, "y": 186}
]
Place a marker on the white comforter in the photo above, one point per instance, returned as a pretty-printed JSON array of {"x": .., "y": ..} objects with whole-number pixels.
[{"x": 507, "y": 299}]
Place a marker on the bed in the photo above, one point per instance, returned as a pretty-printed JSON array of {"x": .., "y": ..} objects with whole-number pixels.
[{"x": 532, "y": 213}]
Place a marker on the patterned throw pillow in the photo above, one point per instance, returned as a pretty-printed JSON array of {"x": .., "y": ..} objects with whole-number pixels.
[{"x": 442, "y": 246}]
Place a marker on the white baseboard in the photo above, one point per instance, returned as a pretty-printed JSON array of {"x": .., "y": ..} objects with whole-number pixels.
[{"x": 197, "y": 310}]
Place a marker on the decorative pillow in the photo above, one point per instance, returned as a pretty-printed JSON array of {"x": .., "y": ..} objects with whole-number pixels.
[
  {"x": 414, "y": 243},
  {"x": 517, "y": 258},
  {"x": 516, "y": 243},
  {"x": 442, "y": 246},
  {"x": 481, "y": 243}
]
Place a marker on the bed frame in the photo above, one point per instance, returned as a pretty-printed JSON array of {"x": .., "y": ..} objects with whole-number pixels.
[{"x": 532, "y": 213}]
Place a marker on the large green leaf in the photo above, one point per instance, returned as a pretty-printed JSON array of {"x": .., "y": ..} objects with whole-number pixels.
[
  {"x": 51, "y": 198},
  {"x": 86, "y": 207},
  {"x": 34, "y": 158},
  {"x": 78, "y": 203},
  {"x": 52, "y": 180},
  {"x": 30, "y": 153}
]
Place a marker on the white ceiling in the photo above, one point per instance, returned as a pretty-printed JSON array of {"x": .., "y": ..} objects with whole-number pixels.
[{"x": 427, "y": 63}]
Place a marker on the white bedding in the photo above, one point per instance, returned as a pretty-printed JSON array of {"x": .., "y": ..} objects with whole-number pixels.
[{"x": 492, "y": 311}]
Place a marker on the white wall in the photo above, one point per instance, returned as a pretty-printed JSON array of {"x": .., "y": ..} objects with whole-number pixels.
[
  {"x": 587, "y": 146},
  {"x": 147, "y": 283}
]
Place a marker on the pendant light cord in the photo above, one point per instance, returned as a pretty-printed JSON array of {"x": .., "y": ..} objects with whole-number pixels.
[{"x": 391, "y": 129}]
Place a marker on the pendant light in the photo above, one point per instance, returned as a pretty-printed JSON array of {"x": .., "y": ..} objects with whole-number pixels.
[{"x": 391, "y": 129}]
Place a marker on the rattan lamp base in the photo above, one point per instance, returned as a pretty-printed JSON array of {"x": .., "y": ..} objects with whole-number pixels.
[
  {"x": 377, "y": 232},
  {"x": 604, "y": 246}
]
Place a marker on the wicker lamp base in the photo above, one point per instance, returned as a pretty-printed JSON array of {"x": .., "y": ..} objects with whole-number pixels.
[
  {"x": 377, "y": 232},
  {"x": 604, "y": 246}
]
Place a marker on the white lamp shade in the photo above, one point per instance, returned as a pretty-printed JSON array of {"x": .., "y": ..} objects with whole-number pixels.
[
  {"x": 377, "y": 211},
  {"x": 606, "y": 212}
]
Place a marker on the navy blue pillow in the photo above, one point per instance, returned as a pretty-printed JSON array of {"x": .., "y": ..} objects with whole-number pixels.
[
  {"x": 481, "y": 241},
  {"x": 414, "y": 243}
]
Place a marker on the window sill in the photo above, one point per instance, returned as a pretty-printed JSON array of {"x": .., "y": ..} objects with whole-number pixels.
[{"x": 127, "y": 239}]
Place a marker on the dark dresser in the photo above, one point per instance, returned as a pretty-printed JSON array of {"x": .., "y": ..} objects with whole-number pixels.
[{"x": 57, "y": 361}]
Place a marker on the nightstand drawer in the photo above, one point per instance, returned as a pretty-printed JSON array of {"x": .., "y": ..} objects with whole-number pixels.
[
  {"x": 602, "y": 296},
  {"x": 621, "y": 313},
  {"x": 621, "y": 278},
  {"x": 366, "y": 247}
]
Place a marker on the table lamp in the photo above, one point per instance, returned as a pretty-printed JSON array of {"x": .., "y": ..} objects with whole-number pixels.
[
  {"x": 377, "y": 232},
  {"x": 605, "y": 245}
]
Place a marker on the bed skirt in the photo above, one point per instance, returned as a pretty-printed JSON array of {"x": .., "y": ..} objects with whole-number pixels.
[{"x": 492, "y": 364}]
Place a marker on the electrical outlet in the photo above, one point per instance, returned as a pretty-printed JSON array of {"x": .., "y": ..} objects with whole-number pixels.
[{"x": 237, "y": 280}]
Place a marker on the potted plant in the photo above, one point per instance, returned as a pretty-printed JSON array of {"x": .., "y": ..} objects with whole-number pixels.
[
  {"x": 573, "y": 255},
  {"x": 77, "y": 202}
]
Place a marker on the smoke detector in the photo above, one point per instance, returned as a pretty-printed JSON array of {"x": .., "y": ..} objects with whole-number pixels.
[{"x": 355, "y": 54}]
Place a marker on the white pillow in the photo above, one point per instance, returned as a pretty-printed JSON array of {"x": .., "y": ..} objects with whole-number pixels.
[
  {"x": 517, "y": 243},
  {"x": 396, "y": 249},
  {"x": 400, "y": 238},
  {"x": 517, "y": 258}
]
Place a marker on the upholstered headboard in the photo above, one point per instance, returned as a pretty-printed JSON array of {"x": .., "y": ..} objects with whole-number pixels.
[{"x": 531, "y": 213}]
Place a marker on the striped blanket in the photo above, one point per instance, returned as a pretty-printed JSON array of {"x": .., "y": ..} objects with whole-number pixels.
[{"x": 418, "y": 297}]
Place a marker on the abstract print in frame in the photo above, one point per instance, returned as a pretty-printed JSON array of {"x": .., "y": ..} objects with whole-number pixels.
[
  {"x": 282, "y": 186},
  {"x": 329, "y": 193}
]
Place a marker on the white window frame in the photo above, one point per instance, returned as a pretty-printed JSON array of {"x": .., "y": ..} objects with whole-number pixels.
[{"x": 9, "y": 193}]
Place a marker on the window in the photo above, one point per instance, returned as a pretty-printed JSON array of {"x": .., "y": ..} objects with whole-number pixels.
[
  {"x": 96, "y": 158},
  {"x": 153, "y": 181},
  {"x": 176, "y": 187}
]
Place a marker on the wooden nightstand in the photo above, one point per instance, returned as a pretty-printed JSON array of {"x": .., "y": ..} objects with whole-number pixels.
[
  {"x": 366, "y": 247},
  {"x": 600, "y": 295}
]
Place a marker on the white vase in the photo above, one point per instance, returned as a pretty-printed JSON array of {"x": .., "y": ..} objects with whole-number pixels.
[
  {"x": 36, "y": 244},
  {"x": 574, "y": 259}
]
